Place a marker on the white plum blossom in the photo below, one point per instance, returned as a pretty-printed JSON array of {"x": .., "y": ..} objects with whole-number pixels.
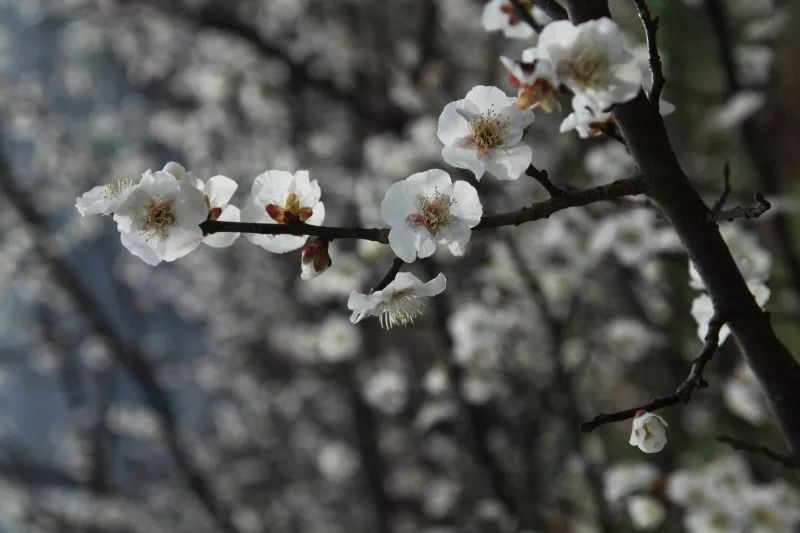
[
  {"x": 399, "y": 304},
  {"x": 483, "y": 133},
  {"x": 535, "y": 80},
  {"x": 645, "y": 512},
  {"x": 586, "y": 119},
  {"x": 591, "y": 60},
  {"x": 314, "y": 259},
  {"x": 180, "y": 173},
  {"x": 712, "y": 520},
  {"x": 104, "y": 199},
  {"x": 686, "y": 487},
  {"x": 502, "y": 15},
  {"x": 427, "y": 209},
  {"x": 280, "y": 197},
  {"x": 217, "y": 192},
  {"x": 160, "y": 219},
  {"x": 703, "y": 309},
  {"x": 649, "y": 432}
]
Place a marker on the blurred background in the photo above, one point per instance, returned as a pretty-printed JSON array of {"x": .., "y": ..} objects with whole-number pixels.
[{"x": 222, "y": 393}]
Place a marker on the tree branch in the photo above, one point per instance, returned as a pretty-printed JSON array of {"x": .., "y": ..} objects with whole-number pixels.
[
  {"x": 656, "y": 68},
  {"x": 622, "y": 187},
  {"x": 397, "y": 264},
  {"x": 683, "y": 393},
  {"x": 526, "y": 15},
  {"x": 787, "y": 461},
  {"x": 754, "y": 211}
]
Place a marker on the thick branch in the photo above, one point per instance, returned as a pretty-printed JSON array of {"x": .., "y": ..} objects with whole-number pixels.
[
  {"x": 683, "y": 393},
  {"x": 553, "y": 9},
  {"x": 525, "y": 14},
  {"x": 667, "y": 185}
]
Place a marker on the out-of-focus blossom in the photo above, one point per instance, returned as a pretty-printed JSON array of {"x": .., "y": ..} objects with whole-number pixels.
[
  {"x": 645, "y": 512},
  {"x": 160, "y": 219},
  {"x": 623, "y": 479},
  {"x": 399, "y": 304},
  {"x": 280, "y": 197},
  {"x": 649, "y": 432},
  {"x": 427, "y": 209},
  {"x": 633, "y": 236},
  {"x": 744, "y": 397},
  {"x": 736, "y": 110},
  {"x": 338, "y": 340},
  {"x": 483, "y": 133},
  {"x": 502, "y": 15},
  {"x": 387, "y": 390}
]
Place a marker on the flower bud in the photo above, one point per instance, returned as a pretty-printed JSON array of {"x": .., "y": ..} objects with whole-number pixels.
[
  {"x": 649, "y": 432},
  {"x": 314, "y": 259}
]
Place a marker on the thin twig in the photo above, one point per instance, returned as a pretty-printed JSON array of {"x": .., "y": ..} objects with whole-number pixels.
[
  {"x": 683, "y": 393},
  {"x": 397, "y": 264},
  {"x": 656, "y": 68},
  {"x": 753, "y": 211},
  {"x": 544, "y": 180},
  {"x": 622, "y": 187},
  {"x": 787, "y": 461},
  {"x": 726, "y": 190}
]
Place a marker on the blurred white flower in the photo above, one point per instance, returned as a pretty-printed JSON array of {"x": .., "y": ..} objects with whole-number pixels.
[
  {"x": 160, "y": 218},
  {"x": 736, "y": 110},
  {"x": 625, "y": 478},
  {"x": 632, "y": 236},
  {"x": 483, "y": 133},
  {"x": 399, "y": 304},
  {"x": 502, "y": 15},
  {"x": 705, "y": 520},
  {"x": 608, "y": 161},
  {"x": 591, "y": 60},
  {"x": 649, "y": 432},
  {"x": 217, "y": 192},
  {"x": 685, "y": 487},
  {"x": 436, "y": 380},
  {"x": 338, "y": 340},
  {"x": 628, "y": 338},
  {"x": 337, "y": 461},
  {"x": 645, "y": 512},
  {"x": 772, "y": 508},
  {"x": 280, "y": 197},
  {"x": 387, "y": 390},
  {"x": 104, "y": 199},
  {"x": 744, "y": 397},
  {"x": 427, "y": 209}
]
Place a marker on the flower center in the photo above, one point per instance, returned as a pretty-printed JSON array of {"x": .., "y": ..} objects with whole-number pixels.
[
  {"x": 433, "y": 212},
  {"x": 403, "y": 309},
  {"x": 589, "y": 68},
  {"x": 116, "y": 187},
  {"x": 159, "y": 217},
  {"x": 487, "y": 131},
  {"x": 290, "y": 212}
]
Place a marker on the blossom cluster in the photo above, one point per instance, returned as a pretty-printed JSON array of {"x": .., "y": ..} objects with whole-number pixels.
[
  {"x": 721, "y": 497},
  {"x": 161, "y": 216}
]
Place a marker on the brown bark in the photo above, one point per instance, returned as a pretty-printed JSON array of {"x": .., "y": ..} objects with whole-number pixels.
[{"x": 667, "y": 185}]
